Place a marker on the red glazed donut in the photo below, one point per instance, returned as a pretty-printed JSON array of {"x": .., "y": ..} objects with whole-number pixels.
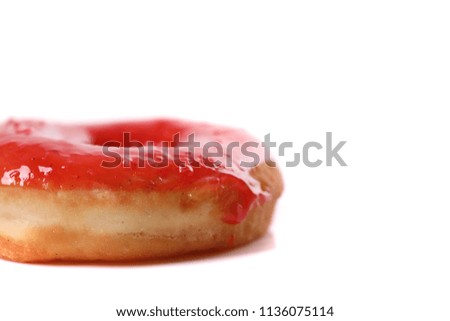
[{"x": 127, "y": 191}]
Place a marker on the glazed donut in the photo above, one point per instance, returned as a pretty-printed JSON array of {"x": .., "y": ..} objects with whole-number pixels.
[{"x": 130, "y": 190}]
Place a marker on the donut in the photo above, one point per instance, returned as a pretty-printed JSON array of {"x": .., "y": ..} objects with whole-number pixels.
[{"x": 132, "y": 190}]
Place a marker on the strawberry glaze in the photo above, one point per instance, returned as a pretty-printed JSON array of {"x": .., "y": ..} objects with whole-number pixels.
[{"x": 54, "y": 157}]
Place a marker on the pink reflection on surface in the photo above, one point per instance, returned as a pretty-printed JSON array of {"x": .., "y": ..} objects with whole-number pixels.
[{"x": 17, "y": 176}]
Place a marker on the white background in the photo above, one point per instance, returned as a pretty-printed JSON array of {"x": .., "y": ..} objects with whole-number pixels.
[{"x": 370, "y": 239}]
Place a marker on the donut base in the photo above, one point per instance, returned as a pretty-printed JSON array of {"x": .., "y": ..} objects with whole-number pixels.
[{"x": 102, "y": 225}]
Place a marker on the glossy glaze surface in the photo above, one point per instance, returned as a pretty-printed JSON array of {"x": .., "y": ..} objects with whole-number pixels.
[{"x": 63, "y": 157}]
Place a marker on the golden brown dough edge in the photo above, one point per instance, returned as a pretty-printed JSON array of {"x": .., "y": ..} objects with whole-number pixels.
[{"x": 177, "y": 223}]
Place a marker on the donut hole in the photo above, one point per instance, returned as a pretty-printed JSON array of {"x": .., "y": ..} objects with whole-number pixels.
[{"x": 140, "y": 134}]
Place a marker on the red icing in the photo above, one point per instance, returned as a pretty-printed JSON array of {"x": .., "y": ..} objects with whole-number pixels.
[{"x": 65, "y": 157}]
